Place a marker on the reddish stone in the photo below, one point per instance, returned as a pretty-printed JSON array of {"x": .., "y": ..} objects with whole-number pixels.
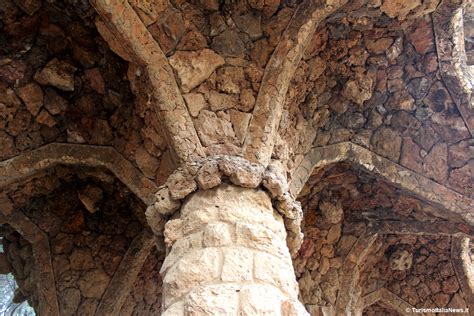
[
  {"x": 168, "y": 32},
  {"x": 435, "y": 164},
  {"x": 450, "y": 285},
  {"x": 387, "y": 143},
  {"x": 379, "y": 46},
  {"x": 13, "y": 72},
  {"x": 95, "y": 79},
  {"x": 461, "y": 179},
  {"x": 422, "y": 37},
  {"x": 410, "y": 156}
]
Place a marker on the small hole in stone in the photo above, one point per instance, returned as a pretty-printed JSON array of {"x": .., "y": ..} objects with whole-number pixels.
[
  {"x": 217, "y": 206},
  {"x": 237, "y": 290}
]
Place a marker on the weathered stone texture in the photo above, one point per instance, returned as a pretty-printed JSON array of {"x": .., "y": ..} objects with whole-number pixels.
[{"x": 227, "y": 246}]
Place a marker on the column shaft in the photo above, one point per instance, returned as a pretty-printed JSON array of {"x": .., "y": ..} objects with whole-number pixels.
[{"x": 229, "y": 257}]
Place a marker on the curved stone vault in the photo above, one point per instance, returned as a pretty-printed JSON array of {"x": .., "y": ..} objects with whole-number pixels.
[{"x": 250, "y": 157}]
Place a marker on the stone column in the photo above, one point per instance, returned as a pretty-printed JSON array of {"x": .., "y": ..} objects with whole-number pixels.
[{"x": 228, "y": 256}]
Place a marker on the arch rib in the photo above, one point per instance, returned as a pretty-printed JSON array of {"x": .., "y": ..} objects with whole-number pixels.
[
  {"x": 125, "y": 24},
  {"x": 258, "y": 145},
  {"x": 406, "y": 179},
  {"x": 47, "y": 156}
]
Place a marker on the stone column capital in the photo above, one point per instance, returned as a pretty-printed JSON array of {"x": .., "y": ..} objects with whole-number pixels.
[{"x": 213, "y": 171}]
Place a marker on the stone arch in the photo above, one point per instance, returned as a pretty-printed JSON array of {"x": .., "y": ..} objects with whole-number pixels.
[
  {"x": 48, "y": 301},
  {"x": 350, "y": 271},
  {"x": 385, "y": 296},
  {"x": 33, "y": 162},
  {"x": 393, "y": 173},
  {"x": 457, "y": 75},
  {"x": 460, "y": 257},
  {"x": 22, "y": 168}
]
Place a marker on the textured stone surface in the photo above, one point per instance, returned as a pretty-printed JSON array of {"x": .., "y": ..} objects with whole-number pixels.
[
  {"x": 194, "y": 67},
  {"x": 221, "y": 258},
  {"x": 370, "y": 101}
]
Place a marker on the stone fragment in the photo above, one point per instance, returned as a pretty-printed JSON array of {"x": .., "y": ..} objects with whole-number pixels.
[
  {"x": 379, "y": 46},
  {"x": 399, "y": 8},
  {"x": 401, "y": 260},
  {"x": 410, "y": 156},
  {"x": 461, "y": 179},
  {"x": 422, "y": 37},
  {"x": 165, "y": 204},
  {"x": 193, "y": 40},
  {"x": 249, "y": 23},
  {"x": 13, "y": 71},
  {"x": 93, "y": 283},
  {"x": 54, "y": 103},
  {"x": 240, "y": 121},
  {"x": 274, "y": 179},
  {"x": 169, "y": 31},
  {"x": 435, "y": 164},
  {"x": 96, "y": 81},
  {"x": 90, "y": 197},
  {"x": 332, "y": 212},
  {"x": 334, "y": 234},
  {"x": 180, "y": 185},
  {"x": 69, "y": 300},
  {"x": 287, "y": 206},
  {"x": 220, "y": 101},
  {"x": 359, "y": 90},
  {"x": 387, "y": 143},
  {"x": 146, "y": 162},
  {"x": 193, "y": 68},
  {"x": 241, "y": 172},
  {"x": 247, "y": 100},
  {"x": 261, "y": 52},
  {"x": 441, "y": 299},
  {"x": 438, "y": 98},
  {"x": 229, "y": 79},
  {"x": 228, "y": 43},
  {"x": 212, "y": 129},
  {"x": 81, "y": 259},
  {"x": 195, "y": 103},
  {"x": 149, "y": 10},
  {"x": 450, "y": 285},
  {"x": 57, "y": 73},
  {"x": 395, "y": 50},
  {"x": 46, "y": 119},
  {"x": 8, "y": 97},
  {"x": 32, "y": 96},
  {"x": 209, "y": 175}
]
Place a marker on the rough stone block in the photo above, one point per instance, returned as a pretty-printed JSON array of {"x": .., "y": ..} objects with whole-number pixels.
[
  {"x": 260, "y": 300},
  {"x": 191, "y": 271},
  {"x": 277, "y": 271},
  {"x": 238, "y": 264},
  {"x": 217, "y": 234},
  {"x": 213, "y": 300}
]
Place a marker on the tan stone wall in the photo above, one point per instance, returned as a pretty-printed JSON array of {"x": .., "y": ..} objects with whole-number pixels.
[{"x": 229, "y": 255}]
